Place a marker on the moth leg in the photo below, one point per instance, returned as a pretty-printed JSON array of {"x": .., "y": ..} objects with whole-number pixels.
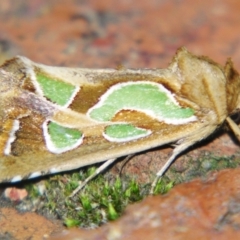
[
  {"x": 126, "y": 159},
  {"x": 234, "y": 127},
  {"x": 98, "y": 170},
  {"x": 179, "y": 149},
  {"x": 184, "y": 145}
]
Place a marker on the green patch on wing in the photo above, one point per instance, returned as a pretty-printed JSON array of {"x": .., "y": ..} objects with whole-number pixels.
[
  {"x": 150, "y": 98},
  {"x": 124, "y": 132},
  {"x": 62, "y": 138},
  {"x": 57, "y": 91}
]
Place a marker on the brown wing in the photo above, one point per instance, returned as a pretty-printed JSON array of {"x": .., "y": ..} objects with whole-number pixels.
[{"x": 29, "y": 154}]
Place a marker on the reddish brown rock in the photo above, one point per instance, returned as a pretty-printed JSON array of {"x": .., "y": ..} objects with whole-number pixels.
[
  {"x": 135, "y": 33},
  {"x": 16, "y": 226}
]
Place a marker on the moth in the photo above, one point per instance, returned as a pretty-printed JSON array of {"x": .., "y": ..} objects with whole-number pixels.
[{"x": 54, "y": 119}]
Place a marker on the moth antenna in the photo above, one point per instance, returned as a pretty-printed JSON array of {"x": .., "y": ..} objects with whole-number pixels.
[
  {"x": 87, "y": 180},
  {"x": 234, "y": 127}
]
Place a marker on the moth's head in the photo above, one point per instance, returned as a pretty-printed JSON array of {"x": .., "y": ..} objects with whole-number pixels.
[{"x": 232, "y": 87}]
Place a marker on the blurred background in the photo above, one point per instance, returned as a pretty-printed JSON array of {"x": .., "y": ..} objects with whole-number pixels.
[{"x": 106, "y": 33}]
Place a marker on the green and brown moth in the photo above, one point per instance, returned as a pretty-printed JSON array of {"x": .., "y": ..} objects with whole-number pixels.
[{"x": 54, "y": 119}]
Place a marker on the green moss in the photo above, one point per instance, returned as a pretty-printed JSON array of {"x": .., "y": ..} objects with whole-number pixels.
[
  {"x": 103, "y": 199},
  {"x": 163, "y": 186},
  {"x": 106, "y": 197},
  {"x": 200, "y": 167},
  {"x": 33, "y": 190}
]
